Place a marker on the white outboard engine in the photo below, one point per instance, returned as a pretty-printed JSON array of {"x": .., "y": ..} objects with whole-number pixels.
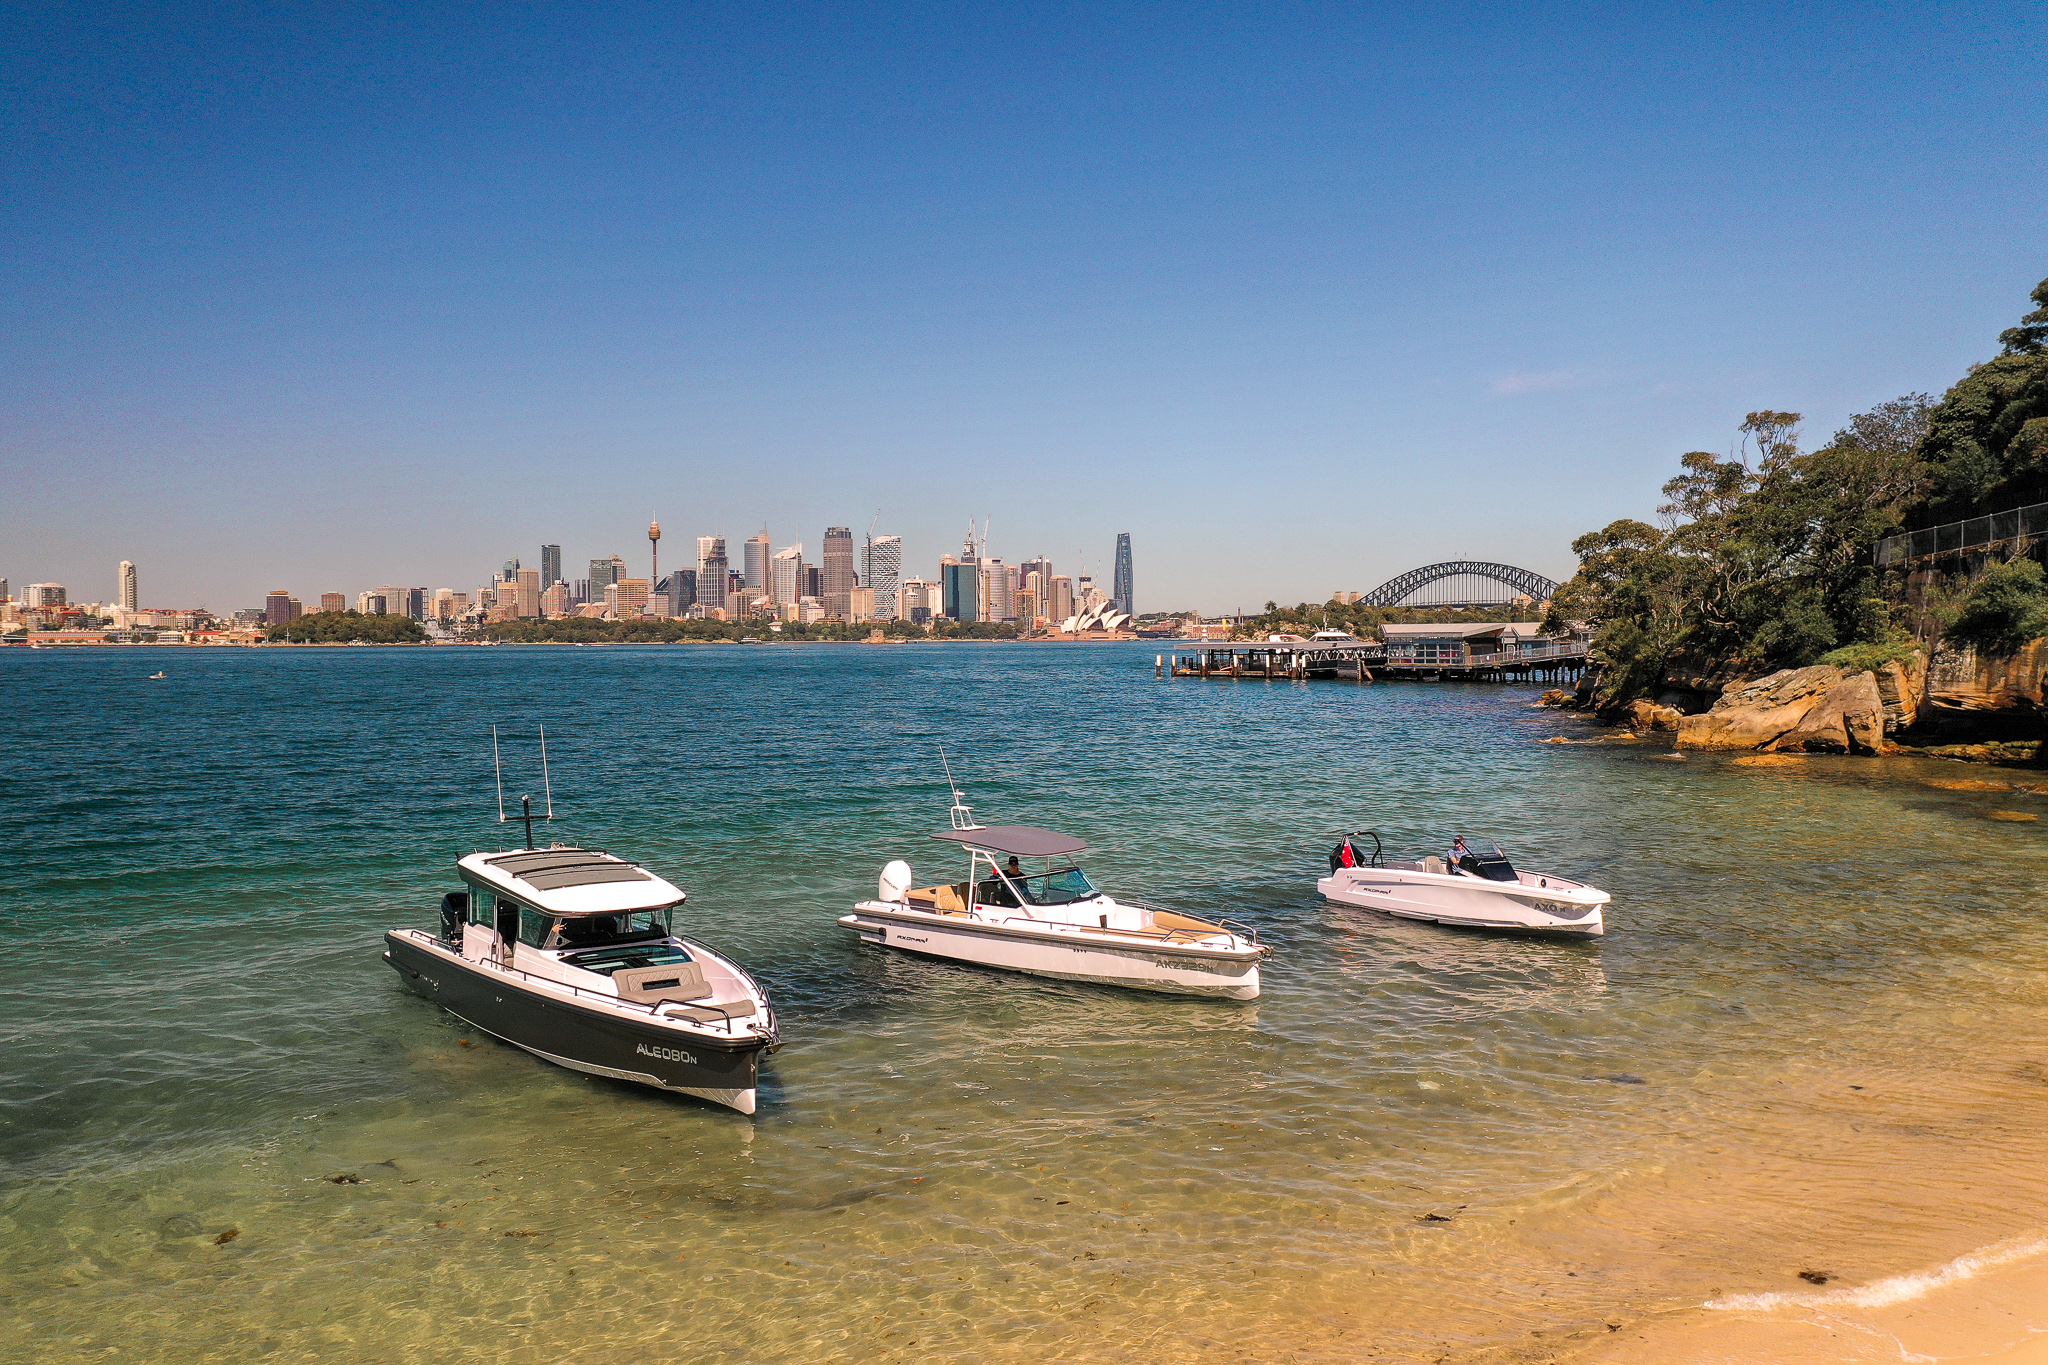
[{"x": 895, "y": 881}]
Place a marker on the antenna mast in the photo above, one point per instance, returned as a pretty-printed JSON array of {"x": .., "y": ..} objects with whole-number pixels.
[
  {"x": 498, "y": 768},
  {"x": 963, "y": 818},
  {"x": 546, "y": 786}
]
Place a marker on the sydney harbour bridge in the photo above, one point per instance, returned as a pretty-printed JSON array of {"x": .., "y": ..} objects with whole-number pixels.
[{"x": 1460, "y": 583}]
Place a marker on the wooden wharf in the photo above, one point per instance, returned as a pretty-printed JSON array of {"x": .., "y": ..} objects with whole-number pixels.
[{"x": 1545, "y": 661}]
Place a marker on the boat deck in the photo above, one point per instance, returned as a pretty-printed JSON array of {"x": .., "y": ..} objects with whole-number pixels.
[{"x": 950, "y": 902}]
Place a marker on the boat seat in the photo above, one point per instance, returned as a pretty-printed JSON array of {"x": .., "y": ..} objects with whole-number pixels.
[
  {"x": 669, "y": 981},
  {"x": 706, "y": 1014},
  {"x": 944, "y": 899}
]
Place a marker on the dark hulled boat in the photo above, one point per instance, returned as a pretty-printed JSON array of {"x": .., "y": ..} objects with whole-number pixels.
[{"x": 571, "y": 954}]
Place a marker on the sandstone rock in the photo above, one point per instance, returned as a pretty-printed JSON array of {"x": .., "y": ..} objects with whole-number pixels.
[
  {"x": 1750, "y": 715},
  {"x": 2016, "y": 816},
  {"x": 1901, "y": 686},
  {"x": 1557, "y": 696},
  {"x": 1765, "y": 760},
  {"x": 1848, "y": 719},
  {"x": 1649, "y": 715}
]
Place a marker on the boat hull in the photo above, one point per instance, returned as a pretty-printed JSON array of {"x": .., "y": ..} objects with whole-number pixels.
[
  {"x": 1463, "y": 902},
  {"x": 1061, "y": 956},
  {"x": 582, "y": 1038}
]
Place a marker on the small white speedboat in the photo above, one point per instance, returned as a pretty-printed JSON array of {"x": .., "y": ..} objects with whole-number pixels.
[
  {"x": 1052, "y": 921},
  {"x": 1478, "y": 891}
]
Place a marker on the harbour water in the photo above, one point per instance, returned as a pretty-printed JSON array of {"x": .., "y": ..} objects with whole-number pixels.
[{"x": 1812, "y": 1040}]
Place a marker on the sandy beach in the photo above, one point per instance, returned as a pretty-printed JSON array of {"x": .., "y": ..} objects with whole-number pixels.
[{"x": 1990, "y": 1305}]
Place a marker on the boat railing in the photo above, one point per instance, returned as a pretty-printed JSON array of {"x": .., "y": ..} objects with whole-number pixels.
[{"x": 653, "y": 1009}]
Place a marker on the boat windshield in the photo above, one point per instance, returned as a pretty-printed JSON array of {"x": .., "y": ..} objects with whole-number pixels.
[
  {"x": 1057, "y": 888},
  {"x": 540, "y": 930}
]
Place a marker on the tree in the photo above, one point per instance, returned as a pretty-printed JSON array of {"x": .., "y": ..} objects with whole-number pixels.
[
  {"x": 1764, "y": 559},
  {"x": 2006, "y": 608},
  {"x": 1987, "y": 441}
]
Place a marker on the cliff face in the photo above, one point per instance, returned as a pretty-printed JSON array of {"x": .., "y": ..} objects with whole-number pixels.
[
  {"x": 1818, "y": 709},
  {"x": 1989, "y": 698}
]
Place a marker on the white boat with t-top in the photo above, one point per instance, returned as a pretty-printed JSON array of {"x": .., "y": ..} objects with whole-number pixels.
[
  {"x": 1475, "y": 890},
  {"x": 1051, "y": 921}
]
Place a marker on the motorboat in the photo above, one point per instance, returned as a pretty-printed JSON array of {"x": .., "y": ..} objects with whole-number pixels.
[
  {"x": 1052, "y": 921},
  {"x": 1475, "y": 890},
  {"x": 571, "y": 954}
]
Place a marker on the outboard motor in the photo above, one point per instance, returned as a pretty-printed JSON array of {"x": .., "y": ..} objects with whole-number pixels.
[
  {"x": 1343, "y": 856},
  {"x": 895, "y": 883},
  {"x": 454, "y": 912}
]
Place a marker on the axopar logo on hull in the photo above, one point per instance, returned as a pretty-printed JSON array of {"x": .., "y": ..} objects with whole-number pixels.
[{"x": 666, "y": 1054}]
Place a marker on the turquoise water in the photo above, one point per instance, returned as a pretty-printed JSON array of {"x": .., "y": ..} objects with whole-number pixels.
[{"x": 950, "y": 1163}]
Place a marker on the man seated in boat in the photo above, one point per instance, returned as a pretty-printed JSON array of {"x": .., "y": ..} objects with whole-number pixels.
[{"x": 995, "y": 891}]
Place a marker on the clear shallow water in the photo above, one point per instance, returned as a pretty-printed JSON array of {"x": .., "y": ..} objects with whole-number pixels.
[{"x": 950, "y": 1163}]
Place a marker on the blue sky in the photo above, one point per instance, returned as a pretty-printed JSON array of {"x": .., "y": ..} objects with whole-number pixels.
[{"x": 1302, "y": 296}]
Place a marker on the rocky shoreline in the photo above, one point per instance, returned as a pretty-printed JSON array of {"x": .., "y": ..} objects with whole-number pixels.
[{"x": 1956, "y": 705}]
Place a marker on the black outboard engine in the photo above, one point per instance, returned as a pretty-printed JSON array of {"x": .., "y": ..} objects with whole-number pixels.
[{"x": 454, "y": 911}]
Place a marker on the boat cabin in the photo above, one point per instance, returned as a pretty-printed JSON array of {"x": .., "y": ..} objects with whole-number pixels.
[{"x": 585, "y": 918}]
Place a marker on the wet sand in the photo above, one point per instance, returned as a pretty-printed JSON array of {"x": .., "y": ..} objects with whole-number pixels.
[{"x": 1982, "y": 1307}]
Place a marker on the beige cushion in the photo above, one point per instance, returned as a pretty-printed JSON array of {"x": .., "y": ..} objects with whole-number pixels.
[
  {"x": 704, "y": 1014},
  {"x": 674, "y": 981}
]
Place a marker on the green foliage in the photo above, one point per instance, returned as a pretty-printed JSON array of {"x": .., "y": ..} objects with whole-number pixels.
[
  {"x": 1868, "y": 658},
  {"x": 2005, "y": 609},
  {"x": 1987, "y": 442},
  {"x": 1766, "y": 559},
  {"x": 350, "y": 628}
]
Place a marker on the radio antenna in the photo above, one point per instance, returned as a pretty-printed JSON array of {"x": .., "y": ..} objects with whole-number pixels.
[
  {"x": 546, "y": 786},
  {"x": 963, "y": 818},
  {"x": 498, "y": 768}
]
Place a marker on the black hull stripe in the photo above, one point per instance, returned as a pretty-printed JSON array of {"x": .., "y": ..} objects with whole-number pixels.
[{"x": 552, "y": 1028}]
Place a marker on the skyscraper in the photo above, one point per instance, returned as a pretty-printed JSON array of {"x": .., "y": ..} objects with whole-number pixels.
[
  {"x": 333, "y": 601},
  {"x": 603, "y": 573},
  {"x": 1059, "y": 598},
  {"x": 711, "y": 570},
  {"x": 837, "y": 564},
  {"x": 682, "y": 591},
  {"x": 756, "y": 565},
  {"x": 814, "y": 582},
  {"x": 277, "y": 607},
  {"x": 882, "y": 570},
  {"x": 1043, "y": 568},
  {"x": 1120, "y": 585},
  {"x": 550, "y": 566},
  {"x": 128, "y": 594},
  {"x": 960, "y": 583},
  {"x": 786, "y": 579}
]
